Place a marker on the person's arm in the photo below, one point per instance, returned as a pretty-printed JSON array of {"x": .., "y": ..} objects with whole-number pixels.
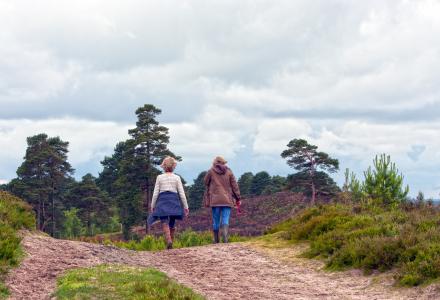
[
  {"x": 207, "y": 179},
  {"x": 235, "y": 188},
  {"x": 181, "y": 193},
  {"x": 155, "y": 193}
]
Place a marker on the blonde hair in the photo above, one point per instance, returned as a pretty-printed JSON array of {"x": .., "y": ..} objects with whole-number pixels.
[
  {"x": 220, "y": 160},
  {"x": 169, "y": 164}
]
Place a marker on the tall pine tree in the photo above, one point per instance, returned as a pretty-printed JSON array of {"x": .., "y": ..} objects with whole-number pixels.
[
  {"x": 42, "y": 178},
  {"x": 305, "y": 158},
  {"x": 129, "y": 175}
]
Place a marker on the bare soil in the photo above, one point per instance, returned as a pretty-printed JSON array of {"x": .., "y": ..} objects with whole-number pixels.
[{"x": 225, "y": 271}]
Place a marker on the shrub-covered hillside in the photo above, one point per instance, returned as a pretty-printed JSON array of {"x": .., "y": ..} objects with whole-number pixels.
[
  {"x": 258, "y": 215},
  {"x": 14, "y": 215},
  {"x": 405, "y": 238}
]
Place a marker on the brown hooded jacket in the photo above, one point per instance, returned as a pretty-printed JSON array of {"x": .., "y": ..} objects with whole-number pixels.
[{"x": 221, "y": 187}]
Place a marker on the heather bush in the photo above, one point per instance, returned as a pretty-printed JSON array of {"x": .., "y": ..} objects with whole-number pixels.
[
  {"x": 371, "y": 238},
  {"x": 14, "y": 215}
]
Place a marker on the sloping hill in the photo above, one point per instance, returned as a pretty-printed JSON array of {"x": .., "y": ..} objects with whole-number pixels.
[
  {"x": 14, "y": 216},
  {"x": 259, "y": 213}
]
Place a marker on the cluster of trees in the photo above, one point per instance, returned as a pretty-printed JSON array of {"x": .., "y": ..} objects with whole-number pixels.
[
  {"x": 45, "y": 181},
  {"x": 121, "y": 193}
]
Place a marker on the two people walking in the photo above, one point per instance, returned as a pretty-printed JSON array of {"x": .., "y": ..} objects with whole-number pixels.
[{"x": 169, "y": 201}]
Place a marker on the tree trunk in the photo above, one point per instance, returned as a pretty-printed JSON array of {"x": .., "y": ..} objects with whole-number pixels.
[
  {"x": 43, "y": 215},
  {"x": 39, "y": 213},
  {"x": 146, "y": 200},
  {"x": 313, "y": 193},
  {"x": 52, "y": 201}
]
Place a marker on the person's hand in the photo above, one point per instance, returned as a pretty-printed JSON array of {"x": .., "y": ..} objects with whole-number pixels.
[{"x": 186, "y": 210}]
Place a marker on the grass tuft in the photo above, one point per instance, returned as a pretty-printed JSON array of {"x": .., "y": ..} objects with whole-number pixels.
[
  {"x": 187, "y": 238},
  {"x": 121, "y": 282}
]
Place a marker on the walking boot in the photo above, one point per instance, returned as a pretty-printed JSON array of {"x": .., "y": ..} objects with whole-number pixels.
[
  {"x": 225, "y": 233},
  {"x": 216, "y": 236},
  {"x": 167, "y": 234},
  {"x": 172, "y": 232}
]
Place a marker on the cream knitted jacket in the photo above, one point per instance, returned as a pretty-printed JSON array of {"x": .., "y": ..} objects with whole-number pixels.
[{"x": 169, "y": 182}]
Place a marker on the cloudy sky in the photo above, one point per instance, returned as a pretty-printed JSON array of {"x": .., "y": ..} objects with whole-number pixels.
[{"x": 237, "y": 78}]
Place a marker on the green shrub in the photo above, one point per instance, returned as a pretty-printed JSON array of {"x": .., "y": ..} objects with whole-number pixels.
[
  {"x": 14, "y": 215},
  {"x": 187, "y": 238},
  {"x": 4, "y": 293},
  {"x": 421, "y": 263},
  {"x": 371, "y": 238}
]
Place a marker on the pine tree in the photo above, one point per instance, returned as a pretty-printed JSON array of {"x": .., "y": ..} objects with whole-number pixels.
[
  {"x": 196, "y": 191},
  {"x": 383, "y": 182},
  {"x": 277, "y": 184},
  {"x": 260, "y": 181},
  {"x": 107, "y": 178},
  {"x": 93, "y": 204},
  {"x": 305, "y": 158},
  {"x": 324, "y": 184},
  {"x": 129, "y": 175},
  {"x": 245, "y": 183},
  {"x": 42, "y": 177},
  {"x": 150, "y": 146}
]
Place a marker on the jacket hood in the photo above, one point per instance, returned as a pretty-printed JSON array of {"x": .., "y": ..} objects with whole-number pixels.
[{"x": 219, "y": 168}]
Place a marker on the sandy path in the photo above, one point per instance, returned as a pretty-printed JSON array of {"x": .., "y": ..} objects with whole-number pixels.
[{"x": 232, "y": 271}]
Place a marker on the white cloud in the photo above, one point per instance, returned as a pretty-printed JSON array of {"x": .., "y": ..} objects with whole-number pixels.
[
  {"x": 273, "y": 135},
  {"x": 89, "y": 141},
  {"x": 239, "y": 78},
  {"x": 218, "y": 131}
]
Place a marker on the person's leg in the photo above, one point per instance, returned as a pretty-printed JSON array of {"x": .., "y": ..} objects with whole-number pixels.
[
  {"x": 216, "y": 223},
  {"x": 166, "y": 231},
  {"x": 226, "y": 213},
  {"x": 172, "y": 225}
]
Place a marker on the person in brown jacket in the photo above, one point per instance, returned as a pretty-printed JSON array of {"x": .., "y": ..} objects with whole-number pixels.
[{"x": 221, "y": 191}]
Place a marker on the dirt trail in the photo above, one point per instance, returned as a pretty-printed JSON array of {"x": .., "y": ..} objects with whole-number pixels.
[{"x": 231, "y": 271}]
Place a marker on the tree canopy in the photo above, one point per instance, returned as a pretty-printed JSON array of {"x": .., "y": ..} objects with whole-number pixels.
[
  {"x": 196, "y": 191},
  {"x": 42, "y": 177},
  {"x": 305, "y": 158}
]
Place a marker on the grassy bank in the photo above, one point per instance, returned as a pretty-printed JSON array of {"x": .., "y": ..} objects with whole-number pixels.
[
  {"x": 120, "y": 282},
  {"x": 14, "y": 215},
  {"x": 406, "y": 239},
  {"x": 187, "y": 238}
]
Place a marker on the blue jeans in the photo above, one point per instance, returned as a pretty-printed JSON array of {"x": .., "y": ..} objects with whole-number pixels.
[{"x": 224, "y": 212}]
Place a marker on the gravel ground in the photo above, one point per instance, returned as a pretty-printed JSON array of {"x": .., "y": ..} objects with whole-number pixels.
[{"x": 224, "y": 271}]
